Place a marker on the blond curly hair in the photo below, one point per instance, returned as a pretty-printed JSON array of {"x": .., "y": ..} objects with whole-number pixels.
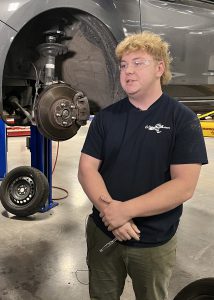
[{"x": 150, "y": 43}]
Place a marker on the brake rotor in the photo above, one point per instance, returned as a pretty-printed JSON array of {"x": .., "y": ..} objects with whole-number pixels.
[{"x": 56, "y": 112}]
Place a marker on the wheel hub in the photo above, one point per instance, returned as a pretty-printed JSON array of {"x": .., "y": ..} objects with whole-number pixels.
[{"x": 64, "y": 113}]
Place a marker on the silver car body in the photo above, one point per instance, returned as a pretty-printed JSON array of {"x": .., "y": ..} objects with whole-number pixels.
[{"x": 188, "y": 25}]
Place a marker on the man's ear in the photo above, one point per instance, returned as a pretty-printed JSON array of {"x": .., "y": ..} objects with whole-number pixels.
[{"x": 160, "y": 68}]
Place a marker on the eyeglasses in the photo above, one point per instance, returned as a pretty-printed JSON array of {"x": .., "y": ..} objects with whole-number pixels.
[{"x": 135, "y": 64}]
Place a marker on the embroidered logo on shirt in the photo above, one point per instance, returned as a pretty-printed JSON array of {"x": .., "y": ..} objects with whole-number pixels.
[{"x": 157, "y": 127}]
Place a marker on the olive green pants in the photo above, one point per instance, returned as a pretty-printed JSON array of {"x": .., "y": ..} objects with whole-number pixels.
[{"x": 149, "y": 268}]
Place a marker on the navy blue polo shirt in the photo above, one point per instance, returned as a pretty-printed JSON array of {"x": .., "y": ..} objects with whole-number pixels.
[{"x": 136, "y": 149}]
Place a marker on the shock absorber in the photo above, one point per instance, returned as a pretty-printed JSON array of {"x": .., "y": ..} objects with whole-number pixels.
[{"x": 50, "y": 50}]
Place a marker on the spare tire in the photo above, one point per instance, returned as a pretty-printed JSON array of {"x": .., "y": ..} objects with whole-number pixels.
[
  {"x": 202, "y": 289},
  {"x": 24, "y": 190}
]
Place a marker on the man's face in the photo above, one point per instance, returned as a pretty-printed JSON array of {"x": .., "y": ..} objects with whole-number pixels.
[{"x": 139, "y": 73}]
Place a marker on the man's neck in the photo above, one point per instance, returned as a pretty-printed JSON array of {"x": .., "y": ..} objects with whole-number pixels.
[{"x": 144, "y": 101}]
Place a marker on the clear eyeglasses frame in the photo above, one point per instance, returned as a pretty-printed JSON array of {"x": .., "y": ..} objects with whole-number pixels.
[{"x": 135, "y": 64}]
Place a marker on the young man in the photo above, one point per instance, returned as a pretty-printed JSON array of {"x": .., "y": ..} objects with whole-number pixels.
[{"x": 141, "y": 160}]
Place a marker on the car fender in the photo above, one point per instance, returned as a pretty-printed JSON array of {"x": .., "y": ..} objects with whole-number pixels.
[{"x": 105, "y": 11}]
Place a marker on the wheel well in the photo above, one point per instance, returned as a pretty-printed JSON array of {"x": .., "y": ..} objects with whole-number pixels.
[{"x": 89, "y": 66}]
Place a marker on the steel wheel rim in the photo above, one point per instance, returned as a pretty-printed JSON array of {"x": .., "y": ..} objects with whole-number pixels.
[{"x": 22, "y": 190}]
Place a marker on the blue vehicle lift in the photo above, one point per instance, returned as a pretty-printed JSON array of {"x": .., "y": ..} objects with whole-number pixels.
[
  {"x": 3, "y": 150},
  {"x": 41, "y": 158}
]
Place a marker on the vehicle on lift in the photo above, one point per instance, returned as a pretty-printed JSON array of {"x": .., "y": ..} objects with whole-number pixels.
[{"x": 57, "y": 66}]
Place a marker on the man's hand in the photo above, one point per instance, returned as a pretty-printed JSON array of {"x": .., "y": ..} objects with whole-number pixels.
[
  {"x": 127, "y": 231},
  {"x": 114, "y": 214}
]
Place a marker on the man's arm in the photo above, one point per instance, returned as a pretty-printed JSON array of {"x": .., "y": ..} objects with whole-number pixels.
[
  {"x": 91, "y": 180},
  {"x": 94, "y": 187},
  {"x": 167, "y": 196}
]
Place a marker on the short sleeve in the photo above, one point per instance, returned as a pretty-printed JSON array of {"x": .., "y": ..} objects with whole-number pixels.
[
  {"x": 93, "y": 144},
  {"x": 189, "y": 146}
]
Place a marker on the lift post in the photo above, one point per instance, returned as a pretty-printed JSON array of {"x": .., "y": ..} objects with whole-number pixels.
[
  {"x": 3, "y": 150},
  {"x": 41, "y": 158}
]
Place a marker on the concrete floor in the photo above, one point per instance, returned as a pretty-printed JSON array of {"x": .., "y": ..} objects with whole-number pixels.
[{"x": 43, "y": 256}]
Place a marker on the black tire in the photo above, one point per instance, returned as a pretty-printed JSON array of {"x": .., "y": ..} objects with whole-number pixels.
[
  {"x": 202, "y": 289},
  {"x": 24, "y": 190}
]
